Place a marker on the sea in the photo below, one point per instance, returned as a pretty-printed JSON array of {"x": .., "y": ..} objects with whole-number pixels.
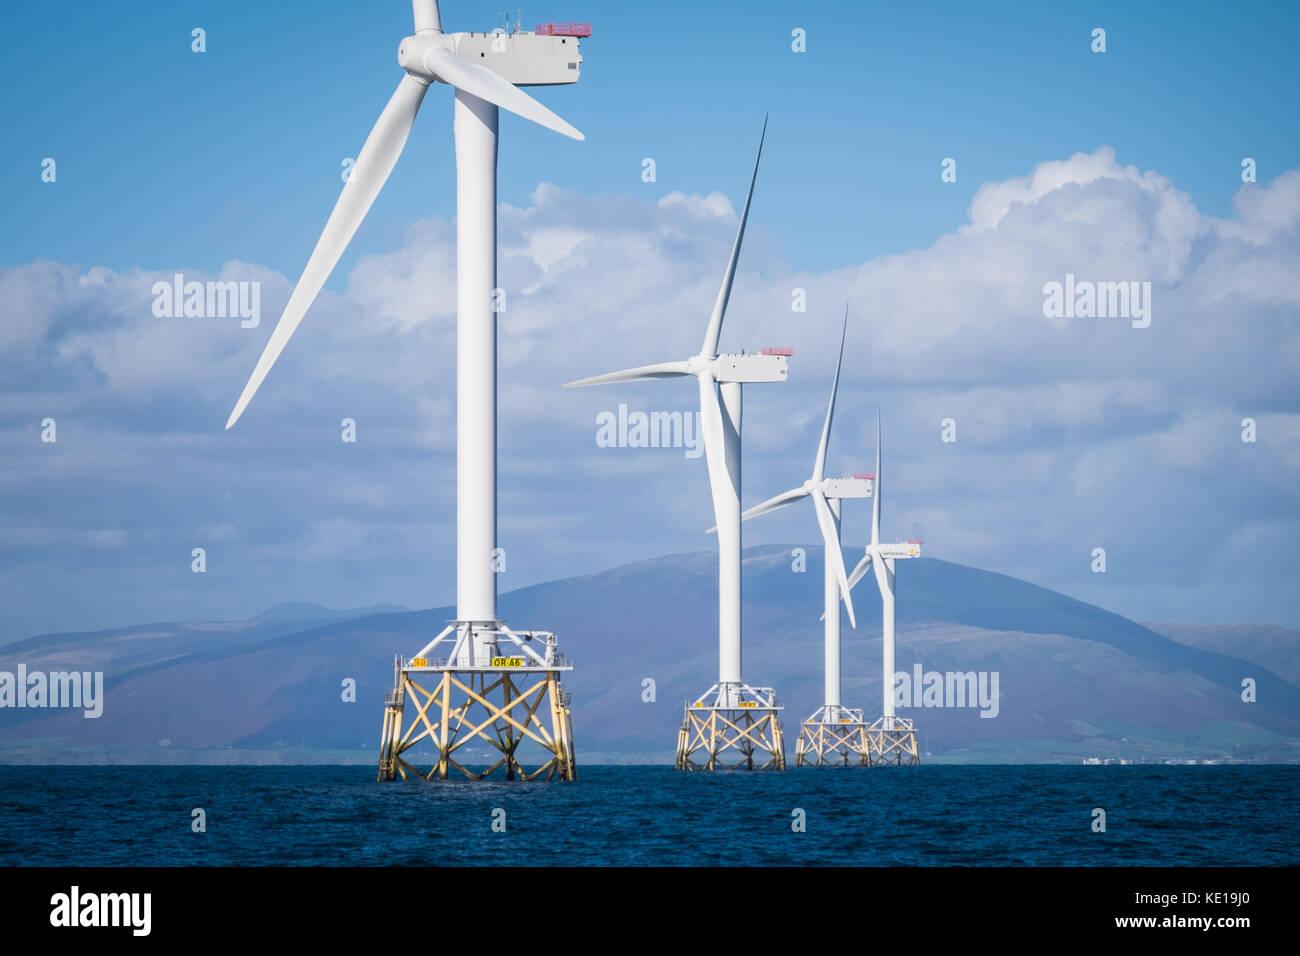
[{"x": 943, "y": 815}]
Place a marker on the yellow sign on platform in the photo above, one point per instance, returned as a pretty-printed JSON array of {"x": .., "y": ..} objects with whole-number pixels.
[
  {"x": 419, "y": 662},
  {"x": 507, "y": 662},
  {"x": 747, "y": 703}
]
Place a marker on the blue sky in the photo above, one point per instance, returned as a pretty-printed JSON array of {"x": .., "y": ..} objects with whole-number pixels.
[
  {"x": 237, "y": 150},
  {"x": 1122, "y": 165}
]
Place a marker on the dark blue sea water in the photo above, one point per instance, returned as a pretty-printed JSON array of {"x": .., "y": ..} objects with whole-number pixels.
[{"x": 986, "y": 815}]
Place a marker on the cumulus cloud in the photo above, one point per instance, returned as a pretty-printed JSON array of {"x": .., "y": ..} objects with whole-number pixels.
[{"x": 1072, "y": 433}]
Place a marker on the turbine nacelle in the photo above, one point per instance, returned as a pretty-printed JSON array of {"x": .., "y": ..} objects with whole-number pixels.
[
  {"x": 741, "y": 367},
  {"x": 901, "y": 550},
  {"x": 845, "y": 487},
  {"x": 749, "y": 367},
  {"x": 831, "y": 488},
  {"x": 521, "y": 59}
]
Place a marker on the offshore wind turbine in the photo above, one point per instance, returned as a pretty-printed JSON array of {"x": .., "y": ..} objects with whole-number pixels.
[
  {"x": 731, "y": 722},
  {"x": 834, "y": 733},
  {"x": 891, "y": 739},
  {"x": 485, "y": 70}
]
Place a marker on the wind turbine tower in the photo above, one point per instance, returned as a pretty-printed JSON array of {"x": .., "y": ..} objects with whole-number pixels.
[
  {"x": 834, "y": 734},
  {"x": 891, "y": 739},
  {"x": 478, "y": 681},
  {"x": 731, "y": 725}
]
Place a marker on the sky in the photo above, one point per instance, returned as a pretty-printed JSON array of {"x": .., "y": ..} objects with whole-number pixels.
[{"x": 1072, "y": 433}]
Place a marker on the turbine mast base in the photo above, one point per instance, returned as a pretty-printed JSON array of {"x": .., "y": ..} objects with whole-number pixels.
[
  {"x": 478, "y": 717},
  {"x": 891, "y": 742},
  {"x": 833, "y": 736},
  {"x": 732, "y": 726}
]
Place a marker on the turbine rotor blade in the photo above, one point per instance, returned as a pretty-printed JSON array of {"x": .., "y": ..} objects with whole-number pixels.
[
  {"x": 374, "y": 164},
  {"x": 860, "y": 571},
  {"x": 714, "y": 330},
  {"x": 642, "y": 373},
  {"x": 426, "y": 15},
  {"x": 882, "y": 576},
  {"x": 771, "y": 504},
  {"x": 831, "y": 539},
  {"x": 819, "y": 465},
  {"x": 775, "y": 503},
  {"x": 714, "y": 452},
  {"x": 481, "y": 82}
]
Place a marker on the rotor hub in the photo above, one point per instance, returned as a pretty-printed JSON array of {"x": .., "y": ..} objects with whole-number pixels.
[{"x": 412, "y": 50}]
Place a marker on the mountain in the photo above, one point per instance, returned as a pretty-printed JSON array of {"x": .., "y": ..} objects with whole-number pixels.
[
  {"x": 1277, "y": 648},
  {"x": 301, "y": 611},
  {"x": 1074, "y": 680}
]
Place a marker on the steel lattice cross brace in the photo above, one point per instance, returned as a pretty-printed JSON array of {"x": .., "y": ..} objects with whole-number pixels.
[
  {"x": 891, "y": 741},
  {"x": 823, "y": 744},
  {"x": 503, "y": 707},
  {"x": 748, "y": 738}
]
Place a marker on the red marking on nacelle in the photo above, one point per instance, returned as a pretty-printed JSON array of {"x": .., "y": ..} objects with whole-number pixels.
[
  {"x": 563, "y": 29},
  {"x": 915, "y": 541},
  {"x": 866, "y": 476},
  {"x": 785, "y": 352}
]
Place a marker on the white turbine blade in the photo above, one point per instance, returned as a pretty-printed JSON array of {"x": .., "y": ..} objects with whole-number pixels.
[
  {"x": 774, "y": 504},
  {"x": 875, "y": 488},
  {"x": 882, "y": 576},
  {"x": 714, "y": 452},
  {"x": 714, "y": 331},
  {"x": 819, "y": 466},
  {"x": 831, "y": 539},
  {"x": 426, "y": 15},
  {"x": 374, "y": 164},
  {"x": 860, "y": 571},
  {"x": 771, "y": 504},
  {"x": 481, "y": 82},
  {"x": 643, "y": 373}
]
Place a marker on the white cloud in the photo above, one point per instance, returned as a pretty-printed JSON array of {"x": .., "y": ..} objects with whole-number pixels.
[{"x": 1068, "y": 430}]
